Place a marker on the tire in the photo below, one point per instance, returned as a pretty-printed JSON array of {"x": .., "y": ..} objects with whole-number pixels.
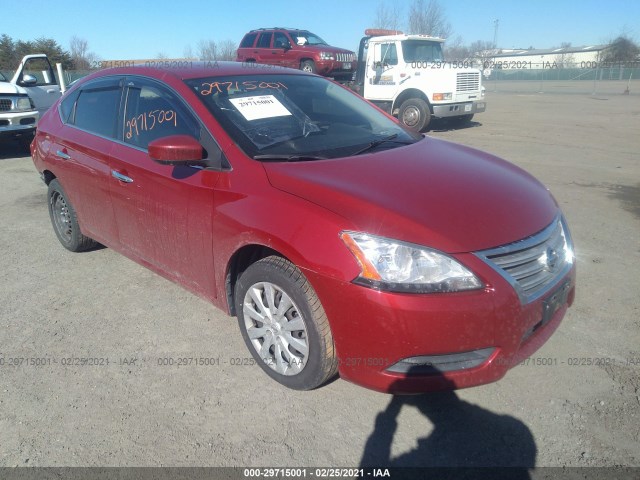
[
  {"x": 308, "y": 66},
  {"x": 415, "y": 114},
  {"x": 308, "y": 359},
  {"x": 65, "y": 221}
]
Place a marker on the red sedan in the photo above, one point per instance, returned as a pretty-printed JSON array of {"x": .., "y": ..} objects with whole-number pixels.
[{"x": 341, "y": 241}]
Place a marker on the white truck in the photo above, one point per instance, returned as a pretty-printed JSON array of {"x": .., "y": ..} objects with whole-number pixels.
[
  {"x": 31, "y": 91},
  {"x": 407, "y": 76}
]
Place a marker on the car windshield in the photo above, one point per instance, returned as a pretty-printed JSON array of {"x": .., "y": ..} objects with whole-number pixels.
[
  {"x": 422, "y": 51},
  {"x": 282, "y": 117},
  {"x": 302, "y": 37}
]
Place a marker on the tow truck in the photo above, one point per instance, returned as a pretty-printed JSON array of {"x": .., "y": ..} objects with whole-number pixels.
[{"x": 408, "y": 77}]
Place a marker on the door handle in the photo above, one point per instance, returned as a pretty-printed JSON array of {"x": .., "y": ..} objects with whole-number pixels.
[
  {"x": 121, "y": 177},
  {"x": 51, "y": 90},
  {"x": 63, "y": 155}
]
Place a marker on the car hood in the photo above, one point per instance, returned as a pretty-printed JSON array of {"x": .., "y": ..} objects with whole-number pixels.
[
  {"x": 327, "y": 48},
  {"x": 7, "y": 88},
  {"x": 435, "y": 193}
]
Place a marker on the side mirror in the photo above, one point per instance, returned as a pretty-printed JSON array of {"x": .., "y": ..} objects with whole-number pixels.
[
  {"x": 176, "y": 150},
  {"x": 28, "y": 80},
  {"x": 286, "y": 47}
]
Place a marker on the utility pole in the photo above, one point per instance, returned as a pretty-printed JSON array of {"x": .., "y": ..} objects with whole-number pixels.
[{"x": 495, "y": 32}]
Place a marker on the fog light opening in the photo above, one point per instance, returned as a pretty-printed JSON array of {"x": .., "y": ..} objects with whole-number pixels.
[{"x": 434, "y": 364}]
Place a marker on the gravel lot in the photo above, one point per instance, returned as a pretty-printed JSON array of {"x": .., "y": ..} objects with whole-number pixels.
[{"x": 575, "y": 403}]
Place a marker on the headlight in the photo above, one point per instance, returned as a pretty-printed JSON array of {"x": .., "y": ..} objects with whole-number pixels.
[
  {"x": 24, "y": 104},
  {"x": 326, "y": 55},
  {"x": 403, "y": 267}
]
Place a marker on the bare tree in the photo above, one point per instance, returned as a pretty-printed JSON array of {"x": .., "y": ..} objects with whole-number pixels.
[
  {"x": 188, "y": 52},
  {"x": 622, "y": 49},
  {"x": 207, "y": 50},
  {"x": 428, "y": 19},
  {"x": 482, "y": 51},
  {"x": 565, "y": 59},
  {"x": 456, "y": 50},
  {"x": 227, "y": 50},
  {"x": 80, "y": 55},
  {"x": 387, "y": 17}
]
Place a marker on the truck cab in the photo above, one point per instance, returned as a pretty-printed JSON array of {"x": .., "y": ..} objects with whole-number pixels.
[
  {"x": 24, "y": 98},
  {"x": 407, "y": 76}
]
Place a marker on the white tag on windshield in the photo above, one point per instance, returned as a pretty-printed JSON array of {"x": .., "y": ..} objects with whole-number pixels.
[{"x": 263, "y": 106}]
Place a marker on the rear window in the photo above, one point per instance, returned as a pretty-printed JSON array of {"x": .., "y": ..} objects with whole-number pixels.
[{"x": 247, "y": 41}]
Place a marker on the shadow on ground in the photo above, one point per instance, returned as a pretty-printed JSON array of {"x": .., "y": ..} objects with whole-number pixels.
[{"x": 463, "y": 435}]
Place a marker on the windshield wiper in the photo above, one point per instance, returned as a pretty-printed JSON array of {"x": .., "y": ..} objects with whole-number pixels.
[
  {"x": 380, "y": 141},
  {"x": 287, "y": 158}
]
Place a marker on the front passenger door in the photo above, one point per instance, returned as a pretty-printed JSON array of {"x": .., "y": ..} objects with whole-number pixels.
[{"x": 164, "y": 213}]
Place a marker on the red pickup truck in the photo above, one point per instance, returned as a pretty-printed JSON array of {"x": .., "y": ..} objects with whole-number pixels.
[{"x": 294, "y": 48}]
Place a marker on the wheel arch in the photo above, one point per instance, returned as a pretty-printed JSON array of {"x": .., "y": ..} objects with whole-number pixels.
[
  {"x": 48, "y": 176},
  {"x": 239, "y": 262},
  {"x": 410, "y": 93}
]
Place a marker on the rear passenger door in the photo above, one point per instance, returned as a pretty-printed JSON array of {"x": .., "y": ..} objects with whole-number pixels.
[
  {"x": 263, "y": 50},
  {"x": 81, "y": 150},
  {"x": 164, "y": 213}
]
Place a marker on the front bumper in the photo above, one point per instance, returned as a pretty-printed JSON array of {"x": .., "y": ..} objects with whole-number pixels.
[
  {"x": 16, "y": 124},
  {"x": 457, "y": 109},
  {"x": 335, "y": 68},
  {"x": 374, "y": 331}
]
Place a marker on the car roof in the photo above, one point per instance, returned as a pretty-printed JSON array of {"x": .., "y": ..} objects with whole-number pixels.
[
  {"x": 278, "y": 28},
  {"x": 199, "y": 69}
]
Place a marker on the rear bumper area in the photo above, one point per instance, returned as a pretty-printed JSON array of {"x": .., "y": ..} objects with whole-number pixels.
[{"x": 413, "y": 343}]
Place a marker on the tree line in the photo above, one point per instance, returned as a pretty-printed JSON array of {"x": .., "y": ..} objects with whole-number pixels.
[{"x": 79, "y": 57}]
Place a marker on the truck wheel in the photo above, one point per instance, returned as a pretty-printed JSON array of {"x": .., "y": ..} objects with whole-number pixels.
[
  {"x": 284, "y": 325},
  {"x": 64, "y": 220},
  {"x": 415, "y": 114},
  {"x": 308, "y": 66}
]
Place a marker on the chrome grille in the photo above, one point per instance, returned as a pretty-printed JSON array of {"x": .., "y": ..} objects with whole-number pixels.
[
  {"x": 534, "y": 264},
  {"x": 345, "y": 57},
  {"x": 5, "y": 104},
  {"x": 467, "y": 81}
]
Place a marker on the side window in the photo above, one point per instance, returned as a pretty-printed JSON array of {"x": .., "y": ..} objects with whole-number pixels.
[
  {"x": 265, "y": 40},
  {"x": 67, "y": 106},
  {"x": 152, "y": 112},
  {"x": 41, "y": 69},
  {"x": 389, "y": 54},
  {"x": 97, "y": 108},
  {"x": 247, "y": 41},
  {"x": 281, "y": 41}
]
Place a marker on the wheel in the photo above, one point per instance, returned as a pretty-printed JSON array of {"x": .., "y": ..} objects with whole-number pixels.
[
  {"x": 308, "y": 66},
  {"x": 284, "y": 325},
  {"x": 64, "y": 220},
  {"x": 415, "y": 114}
]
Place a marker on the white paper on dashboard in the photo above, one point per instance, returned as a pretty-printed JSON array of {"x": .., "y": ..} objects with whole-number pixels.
[{"x": 263, "y": 106}]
